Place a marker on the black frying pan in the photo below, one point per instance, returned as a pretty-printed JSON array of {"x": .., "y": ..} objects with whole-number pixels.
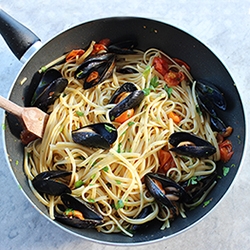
[{"x": 148, "y": 33}]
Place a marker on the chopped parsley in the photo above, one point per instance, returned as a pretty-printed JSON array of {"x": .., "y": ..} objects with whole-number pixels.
[
  {"x": 146, "y": 91},
  {"x": 131, "y": 123},
  {"x": 79, "y": 113},
  {"x": 78, "y": 184},
  {"x": 146, "y": 71},
  {"x": 169, "y": 90},
  {"x": 93, "y": 176},
  {"x": 118, "y": 182},
  {"x": 119, "y": 148},
  {"x": 119, "y": 204},
  {"x": 198, "y": 110},
  {"x": 192, "y": 181},
  {"x": 91, "y": 200},
  {"x": 225, "y": 170},
  {"x": 154, "y": 82},
  {"x": 206, "y": 203},
  {"x": 106, "y": 169},
  {"x": 109, "y": 128}
]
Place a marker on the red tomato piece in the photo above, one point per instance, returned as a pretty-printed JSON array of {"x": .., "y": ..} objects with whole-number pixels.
[
  {"x": 166, "y": 161},
  {"x": 226, "y": 150},
  {"x": 160, "y": 65},
  {"x": 174, "y": 78},
  {"x": 72, "y": 54}
]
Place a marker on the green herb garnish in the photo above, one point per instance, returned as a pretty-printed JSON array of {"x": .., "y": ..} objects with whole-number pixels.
[
  {"x": 225, "y": 170},
  {"x": 146, "y": 71},
  {"x": 146, "y": 91},
  {"x": 119, "y": 204},
  {"x": 109, "y": 128},
  {"x": 79, "y": 113},
  {"x": 118, "y": 182},
  {"x": 206, "y": 203},
  {"x": 154, "y": 82},
  {"x": 169, "y": 90},
  {"x": 119, "y": 148},
  {"x": 198, "y": 110},
  {"x": 78, "y": 184},
  {"x": 106, "y": 169},
  {"x": 131, "y": 123}
]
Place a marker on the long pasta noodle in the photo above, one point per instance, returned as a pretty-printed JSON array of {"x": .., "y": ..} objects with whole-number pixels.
[{"x": 114, "y": 175}]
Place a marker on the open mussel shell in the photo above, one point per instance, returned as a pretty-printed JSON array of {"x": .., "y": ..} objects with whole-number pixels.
[
  {"x": 95, "y": 69},
  {"x": 91, "y": 217},
  {"x": 43, "y": 80},
  {"x": 143, "y": 214},
  {"x": 208, "y": 106},
  {"x": 98, "y": 135},
  {"x": 131, "y": 101},
  {"x": 212, "y": 93},
  {"x": 164, "y": 190},
  {"x": 123, "y": 48},
  {"x": 127, "y": 87},
  {"x": 198, "y": 187},
  {"x": 50, "y": 93},
  {"x": 190, "y": 145},
  {"x": 47, "y": 182}
]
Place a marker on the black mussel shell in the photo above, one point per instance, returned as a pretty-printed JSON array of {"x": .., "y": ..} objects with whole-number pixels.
[
  {"x": 143, "y": 214},
  {"x": 46, "y": 182},
  {"x": 43, "y": 80},
  {"x": 200, "y": 149},
  {"x": 131, "y": 101},
  {"x": 208, "y": 106},
  {"x": 101, "y": 64},
  {"x": 176, "y": 190},
  {"x": 50, "y": 93},
  {"x": 196, "y": 188},
  {"x": 85, "y": 208},
  {"x": 127, "y": 70},
  {"x": 206, "y": 103},
  {"x": 123, "y": 48},
  {"x": 91, "y": 217},
  {"x": 99, "y": 135},
  {"x": 212, "y": 93},
  {"x": 218, "y": 124},
  {"x": 127, "y": 87}
]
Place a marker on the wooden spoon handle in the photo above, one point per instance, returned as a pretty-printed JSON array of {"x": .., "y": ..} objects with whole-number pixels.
[{"x": 11, "y": 107}]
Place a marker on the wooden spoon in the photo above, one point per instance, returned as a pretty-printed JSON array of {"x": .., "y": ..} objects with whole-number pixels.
[{"x": 33, "y": 119}]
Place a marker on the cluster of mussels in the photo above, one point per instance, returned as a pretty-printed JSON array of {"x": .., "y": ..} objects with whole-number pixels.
[{"x": 166, "y": 191}]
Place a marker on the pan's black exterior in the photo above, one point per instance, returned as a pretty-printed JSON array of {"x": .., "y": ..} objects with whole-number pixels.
[{"x": 148, "y": 33}]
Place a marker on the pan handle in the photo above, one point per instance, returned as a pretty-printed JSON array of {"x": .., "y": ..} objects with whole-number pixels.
[{"x": 18, "y": 37}]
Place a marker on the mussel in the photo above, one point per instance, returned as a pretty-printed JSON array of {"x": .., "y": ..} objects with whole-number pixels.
[
  {"x": 78, "y": 213},
  {"x": 143, "y": 214},
  {"x": 127, "y": 97},
  {"x": 197, "y": 186},
  {"x": 127, "y": 70},
  {"x": 50, "y": 87},
  {"x": 98, "y": 135},
  {"x": 123, "y": 48},
  {"x": 209, "y": 98},
  {"x": 95, "y": 69},
  {"x": 165, "y": 190},
  {"x": 212, "y": 93},
  {"x": 190, "y": 145},
  {"x": 48, "y": 182}
]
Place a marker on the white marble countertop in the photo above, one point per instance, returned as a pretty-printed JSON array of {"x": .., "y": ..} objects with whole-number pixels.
[{"x": 223, "y": 26}]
